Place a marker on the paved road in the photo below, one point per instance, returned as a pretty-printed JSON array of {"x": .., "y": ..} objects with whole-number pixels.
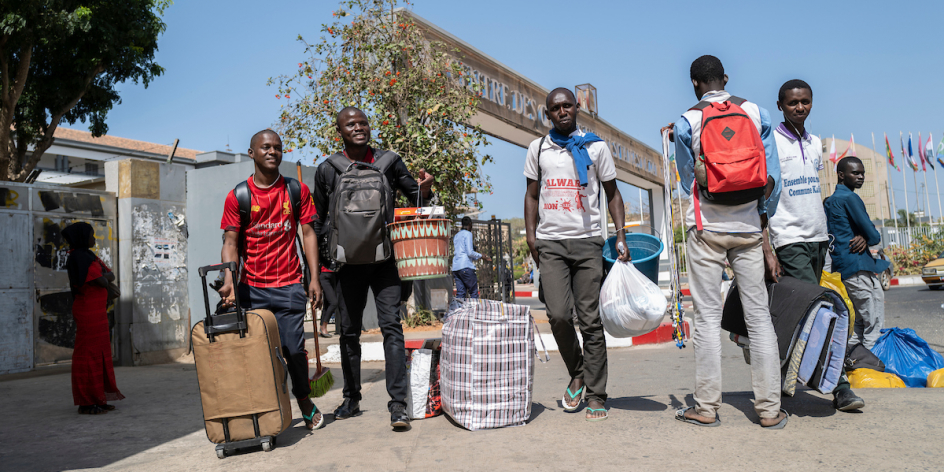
[
  {"x": 159, "y": 427},
  {"x": 918, "y": 308}
]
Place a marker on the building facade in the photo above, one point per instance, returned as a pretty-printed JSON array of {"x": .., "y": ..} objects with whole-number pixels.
[{"x": 875, "y": 191}]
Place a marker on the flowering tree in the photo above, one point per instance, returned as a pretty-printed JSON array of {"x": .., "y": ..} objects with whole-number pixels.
[{"x": 413, "y": 91}]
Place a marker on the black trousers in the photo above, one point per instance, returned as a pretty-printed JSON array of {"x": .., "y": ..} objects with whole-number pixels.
[
  {"x": 288, "y": 305},
  {"x": 353, "y": 283},
  {"x": 329, "y": 285}
]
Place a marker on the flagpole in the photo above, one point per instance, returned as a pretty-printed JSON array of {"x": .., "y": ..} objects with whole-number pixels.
[
  {"x": 904, "y": 180},
  {"x": 927, "y": 198},
  {"x": 937, "y": 185},
  {"x": 889, "y": 194}
]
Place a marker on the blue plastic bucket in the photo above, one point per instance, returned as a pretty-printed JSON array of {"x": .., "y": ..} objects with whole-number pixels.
[{"x": 645, "y": 250}]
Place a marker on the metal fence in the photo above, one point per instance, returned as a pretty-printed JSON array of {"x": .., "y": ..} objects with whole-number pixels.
[{"x": 905, "y": 236}]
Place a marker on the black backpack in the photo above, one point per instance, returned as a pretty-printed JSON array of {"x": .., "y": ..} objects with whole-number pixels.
[
  {"x": 244, "y": 204},
  {"x": 360, "y": 208}
]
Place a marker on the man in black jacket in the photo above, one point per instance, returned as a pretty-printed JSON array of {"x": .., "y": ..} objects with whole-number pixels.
[{"x": 381, "y": 278}]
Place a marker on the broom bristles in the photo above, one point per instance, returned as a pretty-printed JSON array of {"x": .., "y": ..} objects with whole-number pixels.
[{"x": 321, "y": 383}]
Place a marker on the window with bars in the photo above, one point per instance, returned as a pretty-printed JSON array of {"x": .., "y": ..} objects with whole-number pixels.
[
  {"x": 868, "y": 189},
  {"x": 91, "y": 168},
  {"x": 867, "y": 164},
  {"x": 870, "y": 209}
]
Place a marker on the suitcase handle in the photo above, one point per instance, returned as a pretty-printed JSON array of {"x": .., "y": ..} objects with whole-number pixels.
[
  {"x": 240, "y": 315},
  {"x": 278, "y": 353}
]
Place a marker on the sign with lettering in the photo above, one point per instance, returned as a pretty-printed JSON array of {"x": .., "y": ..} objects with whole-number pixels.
[{"x": 511, "y": 99}]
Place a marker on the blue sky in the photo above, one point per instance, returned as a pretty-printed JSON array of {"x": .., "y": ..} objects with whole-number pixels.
[{"x": 871, "y": 65}]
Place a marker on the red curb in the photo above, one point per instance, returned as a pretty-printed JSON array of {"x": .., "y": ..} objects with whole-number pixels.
[
  {"x": 894, "y": 281},
  {"x": 533, "y": 294},
  {"x": 686, "y": 292},
  {"x": 662, "y": 334}
]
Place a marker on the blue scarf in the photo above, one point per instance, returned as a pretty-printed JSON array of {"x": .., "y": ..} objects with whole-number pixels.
[{"x": 577, "y": 146}]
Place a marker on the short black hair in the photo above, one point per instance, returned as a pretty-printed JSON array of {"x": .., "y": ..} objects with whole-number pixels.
[
  {"x": 260, "y": 133},
  {"x": 347, "y": 109},
  {"x": 466, "y": 221},
  {"x": 560, "y": 90},
  {"x": 793, "y": 84},
  {"x": 707, "y": 69},
  {"x": 845, "y": 161}
]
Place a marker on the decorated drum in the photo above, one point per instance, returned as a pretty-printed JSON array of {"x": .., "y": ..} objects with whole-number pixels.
[{"x": 421, "y": 248}]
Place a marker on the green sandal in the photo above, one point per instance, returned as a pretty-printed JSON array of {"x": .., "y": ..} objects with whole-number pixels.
[
  {"x": 310, "y": 419},
  {"x": 572, "y": 396},
  {"x": 601, "y": 418}
]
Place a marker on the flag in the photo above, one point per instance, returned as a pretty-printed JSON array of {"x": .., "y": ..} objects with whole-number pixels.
[
  {"x": 832, "y": 151},
  {"x": 940, "y": 153},
  {"x": 891, "y": 157},
  {"x": 843, "y": 154},
  {"x": 911, "y": 161},
  {"x": 929, "y": 151},
  {"x": 852, "y": 144},
  {"x": 678, "y": 178},
  {"x": 924, "y": 167}
]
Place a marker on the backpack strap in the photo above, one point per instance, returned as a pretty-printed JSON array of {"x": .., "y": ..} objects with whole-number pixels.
[
  {"x": 243, "y": 203},
  {"x": 339, "y": 162},
  {"x": 295, "y": 196},
  {"x": 705, "y": 104},
  {"x": 383, "y": 160}
]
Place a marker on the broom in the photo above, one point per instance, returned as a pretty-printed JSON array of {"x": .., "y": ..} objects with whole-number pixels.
[{"x": 322, "y": 381}]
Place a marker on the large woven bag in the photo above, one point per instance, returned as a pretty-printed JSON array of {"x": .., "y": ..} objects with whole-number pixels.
[{"x": 487, "y": 364}]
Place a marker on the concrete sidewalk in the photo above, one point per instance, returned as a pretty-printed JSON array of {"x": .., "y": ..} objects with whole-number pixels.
[{"x": 159, "y": 427}]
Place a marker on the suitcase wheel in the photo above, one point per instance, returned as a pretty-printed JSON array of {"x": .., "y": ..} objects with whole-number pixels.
[
  {"x": 267, "y": 445},
  {"x": 220, "y": 452}
]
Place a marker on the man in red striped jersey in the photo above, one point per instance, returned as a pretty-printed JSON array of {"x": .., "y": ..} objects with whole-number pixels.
[{"x": 272, "y": 277}]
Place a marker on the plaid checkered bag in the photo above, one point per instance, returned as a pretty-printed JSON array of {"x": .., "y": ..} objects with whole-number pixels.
[{"x": 487, "y": 364}]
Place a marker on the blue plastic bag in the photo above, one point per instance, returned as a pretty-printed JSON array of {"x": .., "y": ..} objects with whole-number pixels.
[{"x": 907, "y": 355}]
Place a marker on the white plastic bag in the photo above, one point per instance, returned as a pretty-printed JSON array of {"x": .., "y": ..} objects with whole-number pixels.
[{"x": 630, "y": 304}]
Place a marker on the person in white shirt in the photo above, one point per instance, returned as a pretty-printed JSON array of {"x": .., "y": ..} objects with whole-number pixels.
[
  {"x": 732, "y": 233},
  {"x": 564, "y": 172},
  {"x": 798, "y": 231}
]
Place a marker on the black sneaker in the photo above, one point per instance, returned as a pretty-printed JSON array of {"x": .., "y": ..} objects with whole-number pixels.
[
  {"x": 347, "y": 409},
  {"x": 845, "y": 400},
  {"x": 398, "y": 417}
]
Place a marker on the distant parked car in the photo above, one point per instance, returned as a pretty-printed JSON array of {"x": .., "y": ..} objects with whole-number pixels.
[
  {"x": 886, "y": 276},
  {"x": 933, "y": 273}
]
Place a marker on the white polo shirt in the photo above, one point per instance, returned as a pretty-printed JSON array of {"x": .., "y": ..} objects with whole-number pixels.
[
  {"x": 567, "y": 210},
  {"x": 800, "y": 216}
]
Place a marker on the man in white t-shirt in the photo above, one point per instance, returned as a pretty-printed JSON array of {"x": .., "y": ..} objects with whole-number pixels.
[
  {"x": 563, "y": 222},
  {"x": 798, "y": 232}
]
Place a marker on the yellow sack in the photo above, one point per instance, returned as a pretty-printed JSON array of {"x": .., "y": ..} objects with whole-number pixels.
[
  {"x": 868, "y": 378},
  {"x": 832, "y": 280},
  {"x": 936, "y": 379}
]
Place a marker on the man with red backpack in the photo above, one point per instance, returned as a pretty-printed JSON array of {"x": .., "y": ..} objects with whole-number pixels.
[{"x": 727, "y": 160}]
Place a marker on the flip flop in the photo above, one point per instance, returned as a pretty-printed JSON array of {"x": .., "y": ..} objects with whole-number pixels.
[
  {"x": 680, "y": 415},
  {"x": 782, "y": 422},
  {"x": 572, "y": 396},
  {"x": 107, "y": 407},
  {"x": 324, "y": 335},
  {"x": 92, "y": 410},
  {"x": 310, "y": 419},
  {"x": 599, "y": 418}
]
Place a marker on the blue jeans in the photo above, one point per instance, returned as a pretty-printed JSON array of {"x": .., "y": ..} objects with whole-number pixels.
[{"x": 467, "y": 285}]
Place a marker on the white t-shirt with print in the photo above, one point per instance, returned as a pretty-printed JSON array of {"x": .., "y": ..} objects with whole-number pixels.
[
  {"x": 800, "y": 216},
  {"x": 565, "y": 209}
]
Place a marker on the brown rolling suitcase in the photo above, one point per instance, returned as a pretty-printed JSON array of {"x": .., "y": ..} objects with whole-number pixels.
[{"x": 242, "y": 375}]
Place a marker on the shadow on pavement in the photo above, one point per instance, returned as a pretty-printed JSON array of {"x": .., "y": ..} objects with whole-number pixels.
[
  {"x": 802, "y": 404},
  {"x": 636, "y": 404}
]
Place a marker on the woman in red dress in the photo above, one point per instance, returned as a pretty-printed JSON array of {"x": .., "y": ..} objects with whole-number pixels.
[{"x": 93, "y": 376}]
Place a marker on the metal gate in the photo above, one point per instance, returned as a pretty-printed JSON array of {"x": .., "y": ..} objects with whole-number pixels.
[
  {"x": 36, "y": 324},
  {"x": 496, "y": 279}
]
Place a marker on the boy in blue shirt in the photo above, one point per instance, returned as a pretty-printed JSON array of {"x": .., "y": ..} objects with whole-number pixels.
[
  {"x": 849, "y": 224},
  {"x": 463, "y": 266}
]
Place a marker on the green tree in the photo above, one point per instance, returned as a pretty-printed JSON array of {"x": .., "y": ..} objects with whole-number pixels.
[
  {"x": 413, "y": 90},
  {"x": 61, "y": 60}
]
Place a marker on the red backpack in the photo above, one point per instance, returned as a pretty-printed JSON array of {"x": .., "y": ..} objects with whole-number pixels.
[{"x": 731, "y": 168}]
